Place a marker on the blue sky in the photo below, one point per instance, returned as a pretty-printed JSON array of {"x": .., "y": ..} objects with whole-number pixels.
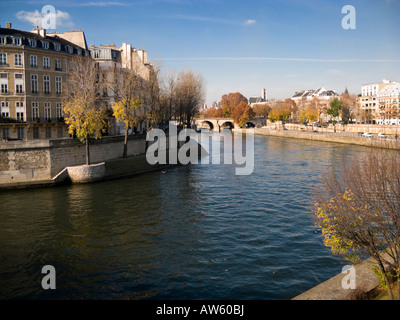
[{"x": 283, "y": 46}]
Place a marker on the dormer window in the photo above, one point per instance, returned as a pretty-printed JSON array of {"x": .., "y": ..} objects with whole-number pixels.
[
  {"x": 32, "y": 43},
  {"x": 79, "y": 51},
  {"x": 45, "y": 45},
  {"x": 3, "y": 40},
  {"x": 70, "y": 49},
  {"x": 17, "y": 41},
  {"x": 57, "y": 46}
]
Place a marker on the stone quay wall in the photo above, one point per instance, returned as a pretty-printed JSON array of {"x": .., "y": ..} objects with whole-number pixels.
[
  {"x": 339, "y": 137},
  {"x": 41, "y": 160}
]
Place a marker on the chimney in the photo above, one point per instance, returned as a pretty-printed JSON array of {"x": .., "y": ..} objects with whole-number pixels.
[
  {"x": 8, "y": 25},
  {"x": 42, "y": 32},
  {"x": 141, "y": 54}
]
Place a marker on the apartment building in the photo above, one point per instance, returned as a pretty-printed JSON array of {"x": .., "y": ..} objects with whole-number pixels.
[
  {"x": 33, "y": 67},
  {"x": 389, "y": 104},
  {"x": 112, "y": 62},
  {"x": 375, "y": 102}
]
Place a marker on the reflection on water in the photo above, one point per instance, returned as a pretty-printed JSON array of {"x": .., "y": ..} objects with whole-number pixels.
[{"x": 193, "y": 232}]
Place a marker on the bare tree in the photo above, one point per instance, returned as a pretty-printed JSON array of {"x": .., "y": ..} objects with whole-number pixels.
[
  {"x": 168, "y": 105},
  {"x": 358, "y": 210},
  {"x": 83, "y": 111},
  {"x": 190, "y": 94}
]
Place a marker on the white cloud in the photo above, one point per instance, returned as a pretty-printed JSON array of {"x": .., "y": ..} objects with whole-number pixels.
[
  {"x": 62, "y": 18},
  {"x": 250, "y": 22}
]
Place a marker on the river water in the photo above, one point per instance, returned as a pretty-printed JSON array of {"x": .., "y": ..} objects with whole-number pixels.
[{"x": 192, "y": 232}]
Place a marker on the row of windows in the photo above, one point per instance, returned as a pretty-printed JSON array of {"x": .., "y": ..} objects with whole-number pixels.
[
  {"x": 19, "y": 105},
  {"x": 47, "y": 45},
  {"x": 34, "y": 84},
  {"x": 46, "y": 111},
  {"x": 46, "y": 84},
  {"x": 36, "y": 133},
  {"x": 20, "y": 130},
  {"x": 32, "y": 59}
]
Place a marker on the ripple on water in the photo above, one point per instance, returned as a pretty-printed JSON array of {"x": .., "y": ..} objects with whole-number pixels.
[{"x": 196, "y": 232}]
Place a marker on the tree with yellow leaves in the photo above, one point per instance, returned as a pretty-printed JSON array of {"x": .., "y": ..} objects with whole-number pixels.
[
  {"x": 128, "y": 112},
  {"x": 358, "y": 211},
  {"x": 83, "y": 112}
]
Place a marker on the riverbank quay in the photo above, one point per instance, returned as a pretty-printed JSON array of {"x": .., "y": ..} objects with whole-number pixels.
[
  {"x": 339, "y": 137},
  {"x": 46, "y": 163},
  {"x": 337, "y": 287}
]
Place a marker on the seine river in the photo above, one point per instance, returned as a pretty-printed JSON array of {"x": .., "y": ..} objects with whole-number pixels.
[{"x": 192, "y": 232}]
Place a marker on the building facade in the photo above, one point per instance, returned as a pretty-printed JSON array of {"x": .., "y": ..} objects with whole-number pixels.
[
  {"x": 112, "y": 62},
  {"x": 379, "y": 102},
  {"x": 321, "y": 94},
  {"x": 33, "y": 68}
]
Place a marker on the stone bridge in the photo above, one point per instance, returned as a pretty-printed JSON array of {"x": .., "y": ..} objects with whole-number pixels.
[{"x": 218, "y": 124}]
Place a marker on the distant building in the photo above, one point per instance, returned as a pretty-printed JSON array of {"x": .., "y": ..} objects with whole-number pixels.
[
  {"x": 259, "y": 100},
  {"x": 321, "y": 93},
  {"x": 33, "y": 67},
  {"x": 379, "y": 102}
]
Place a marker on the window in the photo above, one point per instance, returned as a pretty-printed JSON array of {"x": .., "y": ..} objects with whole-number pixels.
[
  {"x": 17, "y": 41},
  {"x": 35, "y": 110},
  {"x": 58, "y": 65},
  {"x": 35, "y": 132},
  {"x": 4, "y": 88},
  {"x": 3, "y": 58},
  {"x": 34, "y": 83},
  {"x": 48, "y": 132},
  {"x": 17, "y": 59},
  {"x": 3, "y": 40},
  {"x": 46, "y": 84},
  {"x": 33, "y": 61},
  {"x": 47, "y": 111},
  {"x": 32, "y": 43},
  {"x": 70, "y": 49},
  {"x": 60, "y": 132},
  {"x": 5, "y": 110},
  {"x": 59, "y": 110},
  {"x": 19, "y": 108},
  {"x": 19, "y": 88},
  {"x": 4, "y": 82},
  {"x": 46, "y": 62},
  {"x": 6, "y": 133},
  {"x": 45, "y": 45},
  {"x": 58, "y": 85},
  {"x": 57, "y": 46},
  {"x": 21, "y": 133}
]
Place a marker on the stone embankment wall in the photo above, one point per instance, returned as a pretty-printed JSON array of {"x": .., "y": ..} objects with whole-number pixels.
[
  {"x": 332, "y": 137},
  {"x": 41, "y": 160},
  {"x": 349, "y": 128}
]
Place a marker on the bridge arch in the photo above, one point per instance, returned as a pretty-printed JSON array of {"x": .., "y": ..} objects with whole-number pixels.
[
  {"x": 209, "y": 123},
  {"x": 250, "y": 124},
  {"x": 227, "y": 125}
]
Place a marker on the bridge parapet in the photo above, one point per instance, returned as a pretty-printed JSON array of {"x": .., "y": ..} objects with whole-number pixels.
[{"x": 216, "y": 124}]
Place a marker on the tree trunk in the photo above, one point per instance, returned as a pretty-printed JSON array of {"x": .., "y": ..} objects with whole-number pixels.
[
  {"x": 125, "y": 153},
  {"x": 389, "y": 289},
  {"x": 87, "y": 151}
]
